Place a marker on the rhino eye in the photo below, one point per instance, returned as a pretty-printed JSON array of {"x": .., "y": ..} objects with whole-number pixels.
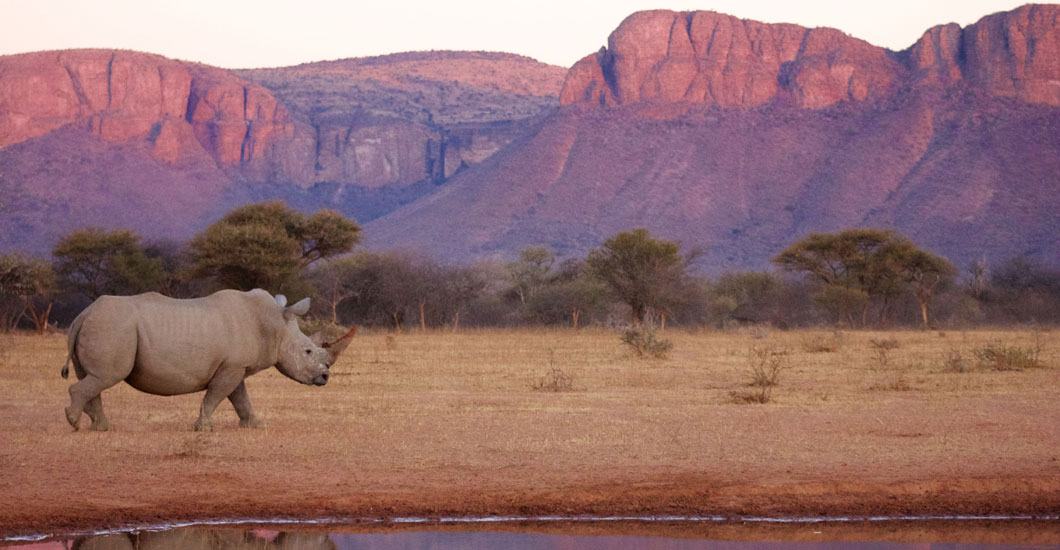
[{"x": 309, "y": 352}]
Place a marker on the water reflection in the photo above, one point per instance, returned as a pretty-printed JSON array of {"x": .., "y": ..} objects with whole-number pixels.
[
  {"x": 192, "y": 538},
  {"x": 197, "y": 538}
]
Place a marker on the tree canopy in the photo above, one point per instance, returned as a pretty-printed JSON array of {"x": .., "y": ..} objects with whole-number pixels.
[
  {"x": 95, "y": 262},
  {"x": 642, "y": 271},
  {"x": 859, "y": 266},
  {"x": 266, "y": 245}
]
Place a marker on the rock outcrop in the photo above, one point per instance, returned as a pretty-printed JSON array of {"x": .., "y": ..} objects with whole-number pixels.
[
  {"x": 706, "y": 57},
  {"x": 739, "y": 137},
  {"x": 405, "y": 118},
  {"x": 178, "y": 108},
  {"x": 1012, "y": 54}
]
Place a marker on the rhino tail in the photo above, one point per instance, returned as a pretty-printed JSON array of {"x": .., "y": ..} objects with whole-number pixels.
[{"x": 71, "y": 345}]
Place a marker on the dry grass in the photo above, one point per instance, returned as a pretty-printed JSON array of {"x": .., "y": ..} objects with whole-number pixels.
[{"x": 422, "y": 413}]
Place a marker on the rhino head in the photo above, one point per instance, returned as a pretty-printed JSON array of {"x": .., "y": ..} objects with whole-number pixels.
[{"x": 304, "y": 359}]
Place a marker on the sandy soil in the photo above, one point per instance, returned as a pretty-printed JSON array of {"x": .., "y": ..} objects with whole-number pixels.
[{"x": 445, "y": 424}]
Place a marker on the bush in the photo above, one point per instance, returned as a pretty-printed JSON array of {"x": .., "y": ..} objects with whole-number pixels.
[
  {"x": 555, "y": 381},
  {"x": 956, "y": 362},
  {"x": 765, "y": 365},
  {"x": 645, "y": 342},
  {"x": 1000, "y": 357}
]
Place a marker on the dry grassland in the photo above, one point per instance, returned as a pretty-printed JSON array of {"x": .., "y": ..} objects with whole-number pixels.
[{"x": 458, "y": 423}]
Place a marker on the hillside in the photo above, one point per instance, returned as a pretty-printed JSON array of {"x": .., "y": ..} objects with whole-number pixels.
[
  {"x": 126, "y": 139},
  {"x": 740, "y": 136}
]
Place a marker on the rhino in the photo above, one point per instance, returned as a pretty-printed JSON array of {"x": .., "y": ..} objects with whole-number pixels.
[{"x": 167, "y": 346}]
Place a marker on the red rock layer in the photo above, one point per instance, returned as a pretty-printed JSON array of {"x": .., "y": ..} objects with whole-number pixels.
[
  {"x": 179, "y": 108},
  {"x": 707, "y": 57}
]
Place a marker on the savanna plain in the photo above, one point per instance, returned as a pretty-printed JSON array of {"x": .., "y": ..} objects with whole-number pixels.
[{"x": 559, "y": 422}]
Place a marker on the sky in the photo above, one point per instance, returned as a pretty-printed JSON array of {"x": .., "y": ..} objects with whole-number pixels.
[{"x": 272, "y": 33}]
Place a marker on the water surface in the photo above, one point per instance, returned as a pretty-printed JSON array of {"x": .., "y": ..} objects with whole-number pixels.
[{"x": 861, "y": 536}]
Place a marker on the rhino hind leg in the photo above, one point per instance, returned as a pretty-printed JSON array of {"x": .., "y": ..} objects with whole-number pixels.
[
  {"x": 84, "y": 394},
  {"x": 94, "y": 408}
]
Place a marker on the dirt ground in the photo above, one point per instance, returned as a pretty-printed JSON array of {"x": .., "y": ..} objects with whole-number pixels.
[{"x": 440, "y": 424}]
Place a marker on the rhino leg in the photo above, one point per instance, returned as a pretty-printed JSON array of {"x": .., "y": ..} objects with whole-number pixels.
[
  {"x": 241, "y": 401},
  {"x": 86, "y": 393},
  {"x": 221, "y": 386},
  {"x": 94, "y": 408}
]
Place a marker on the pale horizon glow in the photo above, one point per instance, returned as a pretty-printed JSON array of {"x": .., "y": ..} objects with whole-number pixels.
[{"x": 274, "y": 33}]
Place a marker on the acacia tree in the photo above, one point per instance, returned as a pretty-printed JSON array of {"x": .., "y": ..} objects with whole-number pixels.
[
  {"x": 94, "y": 262},
  {"x": 927, "y": 273},
  {"x": 570, "y": 293},
  {"x": 859, "y": 266},
  {"x": 530, "y": 272},
  {"x": 266, "y": 245},
  {"x": 641, "y": 271},
  {"x": 385, "y": 288},
  {"x": 26, "y": 288}
]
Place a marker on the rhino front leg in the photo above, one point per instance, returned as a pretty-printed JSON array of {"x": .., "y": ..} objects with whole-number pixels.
[
  {"x": 221, "y": 386},
  {"x": 241, "y": 401}
]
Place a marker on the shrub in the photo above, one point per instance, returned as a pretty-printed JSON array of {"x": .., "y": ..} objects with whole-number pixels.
[
  {"x": 765, "y": 367},
  {"x": 821, "y": 345},
  {"x": 1000, "y": 357},
  {"x": 645, "y": 342},
  {"x": 956, "y": 362},
  {"x": 555, "y": 381},
  {"x": 884, "y": 343}
]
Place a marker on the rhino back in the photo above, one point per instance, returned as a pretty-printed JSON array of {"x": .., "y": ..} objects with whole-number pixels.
[{"x": 180, "y": 344}]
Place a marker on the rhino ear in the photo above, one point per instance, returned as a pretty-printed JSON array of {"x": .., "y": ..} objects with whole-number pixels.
[
  {"x": 299, "y": 309},
  {"x": 281, "y": 299}
]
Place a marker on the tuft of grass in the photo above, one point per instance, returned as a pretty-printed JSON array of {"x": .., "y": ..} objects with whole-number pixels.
[
  {"x": 555, "y": 380},
  {"x": 884, "y": 343},
  {"x": 765, "y": 365},
  {"x": 821, "y": 345},
  {"x": 1001, "y": 357},
  {"x": 644, "y": 340},
  {"x": 956, "y": 361}
]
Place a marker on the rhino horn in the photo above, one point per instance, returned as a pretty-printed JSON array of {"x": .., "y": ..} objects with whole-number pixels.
[{"x": 336, "y": 347}]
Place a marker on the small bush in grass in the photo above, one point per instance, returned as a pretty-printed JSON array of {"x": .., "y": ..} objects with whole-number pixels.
[
  {"x": 822, "y": 345},
  {"x": 884, "y": 343},
  {"x": 765, "y": 365},
  {"x": 1000, "y": 357},
  {"x": 957, "y": 362},
  {"x": 555, "y": 380},
  {"x": 645, "y": 341}
]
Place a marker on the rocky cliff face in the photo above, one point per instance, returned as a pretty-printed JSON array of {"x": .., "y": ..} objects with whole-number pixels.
[
  {"x": 740, "y": 137},
  {"x": 126, "y": 139},
  {"x": 706, "y": 57},
  {"x": 406, "y": 118},
  {"x": 321, "y": 125},
  {"x": 179, "y": 109}
]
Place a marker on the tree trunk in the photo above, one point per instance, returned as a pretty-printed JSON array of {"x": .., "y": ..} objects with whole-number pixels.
[
  {"x": 662, "y": 321},
  {"x": 638, "y": 314},
  {"x": 335, "y": 303},
  {"x": 40, "y": 320},
  {"x": 423, "y": 316},
  {"x": 923, "y": 313},
  {"x": 456, "y": 320},
  {"x": 574, "y": 318}
]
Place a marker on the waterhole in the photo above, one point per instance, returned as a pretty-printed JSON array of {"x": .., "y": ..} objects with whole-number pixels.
[{"x": 950, "y": 534}]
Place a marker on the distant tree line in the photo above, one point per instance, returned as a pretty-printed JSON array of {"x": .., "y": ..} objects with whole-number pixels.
[{"x": 858, "y": 278}]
